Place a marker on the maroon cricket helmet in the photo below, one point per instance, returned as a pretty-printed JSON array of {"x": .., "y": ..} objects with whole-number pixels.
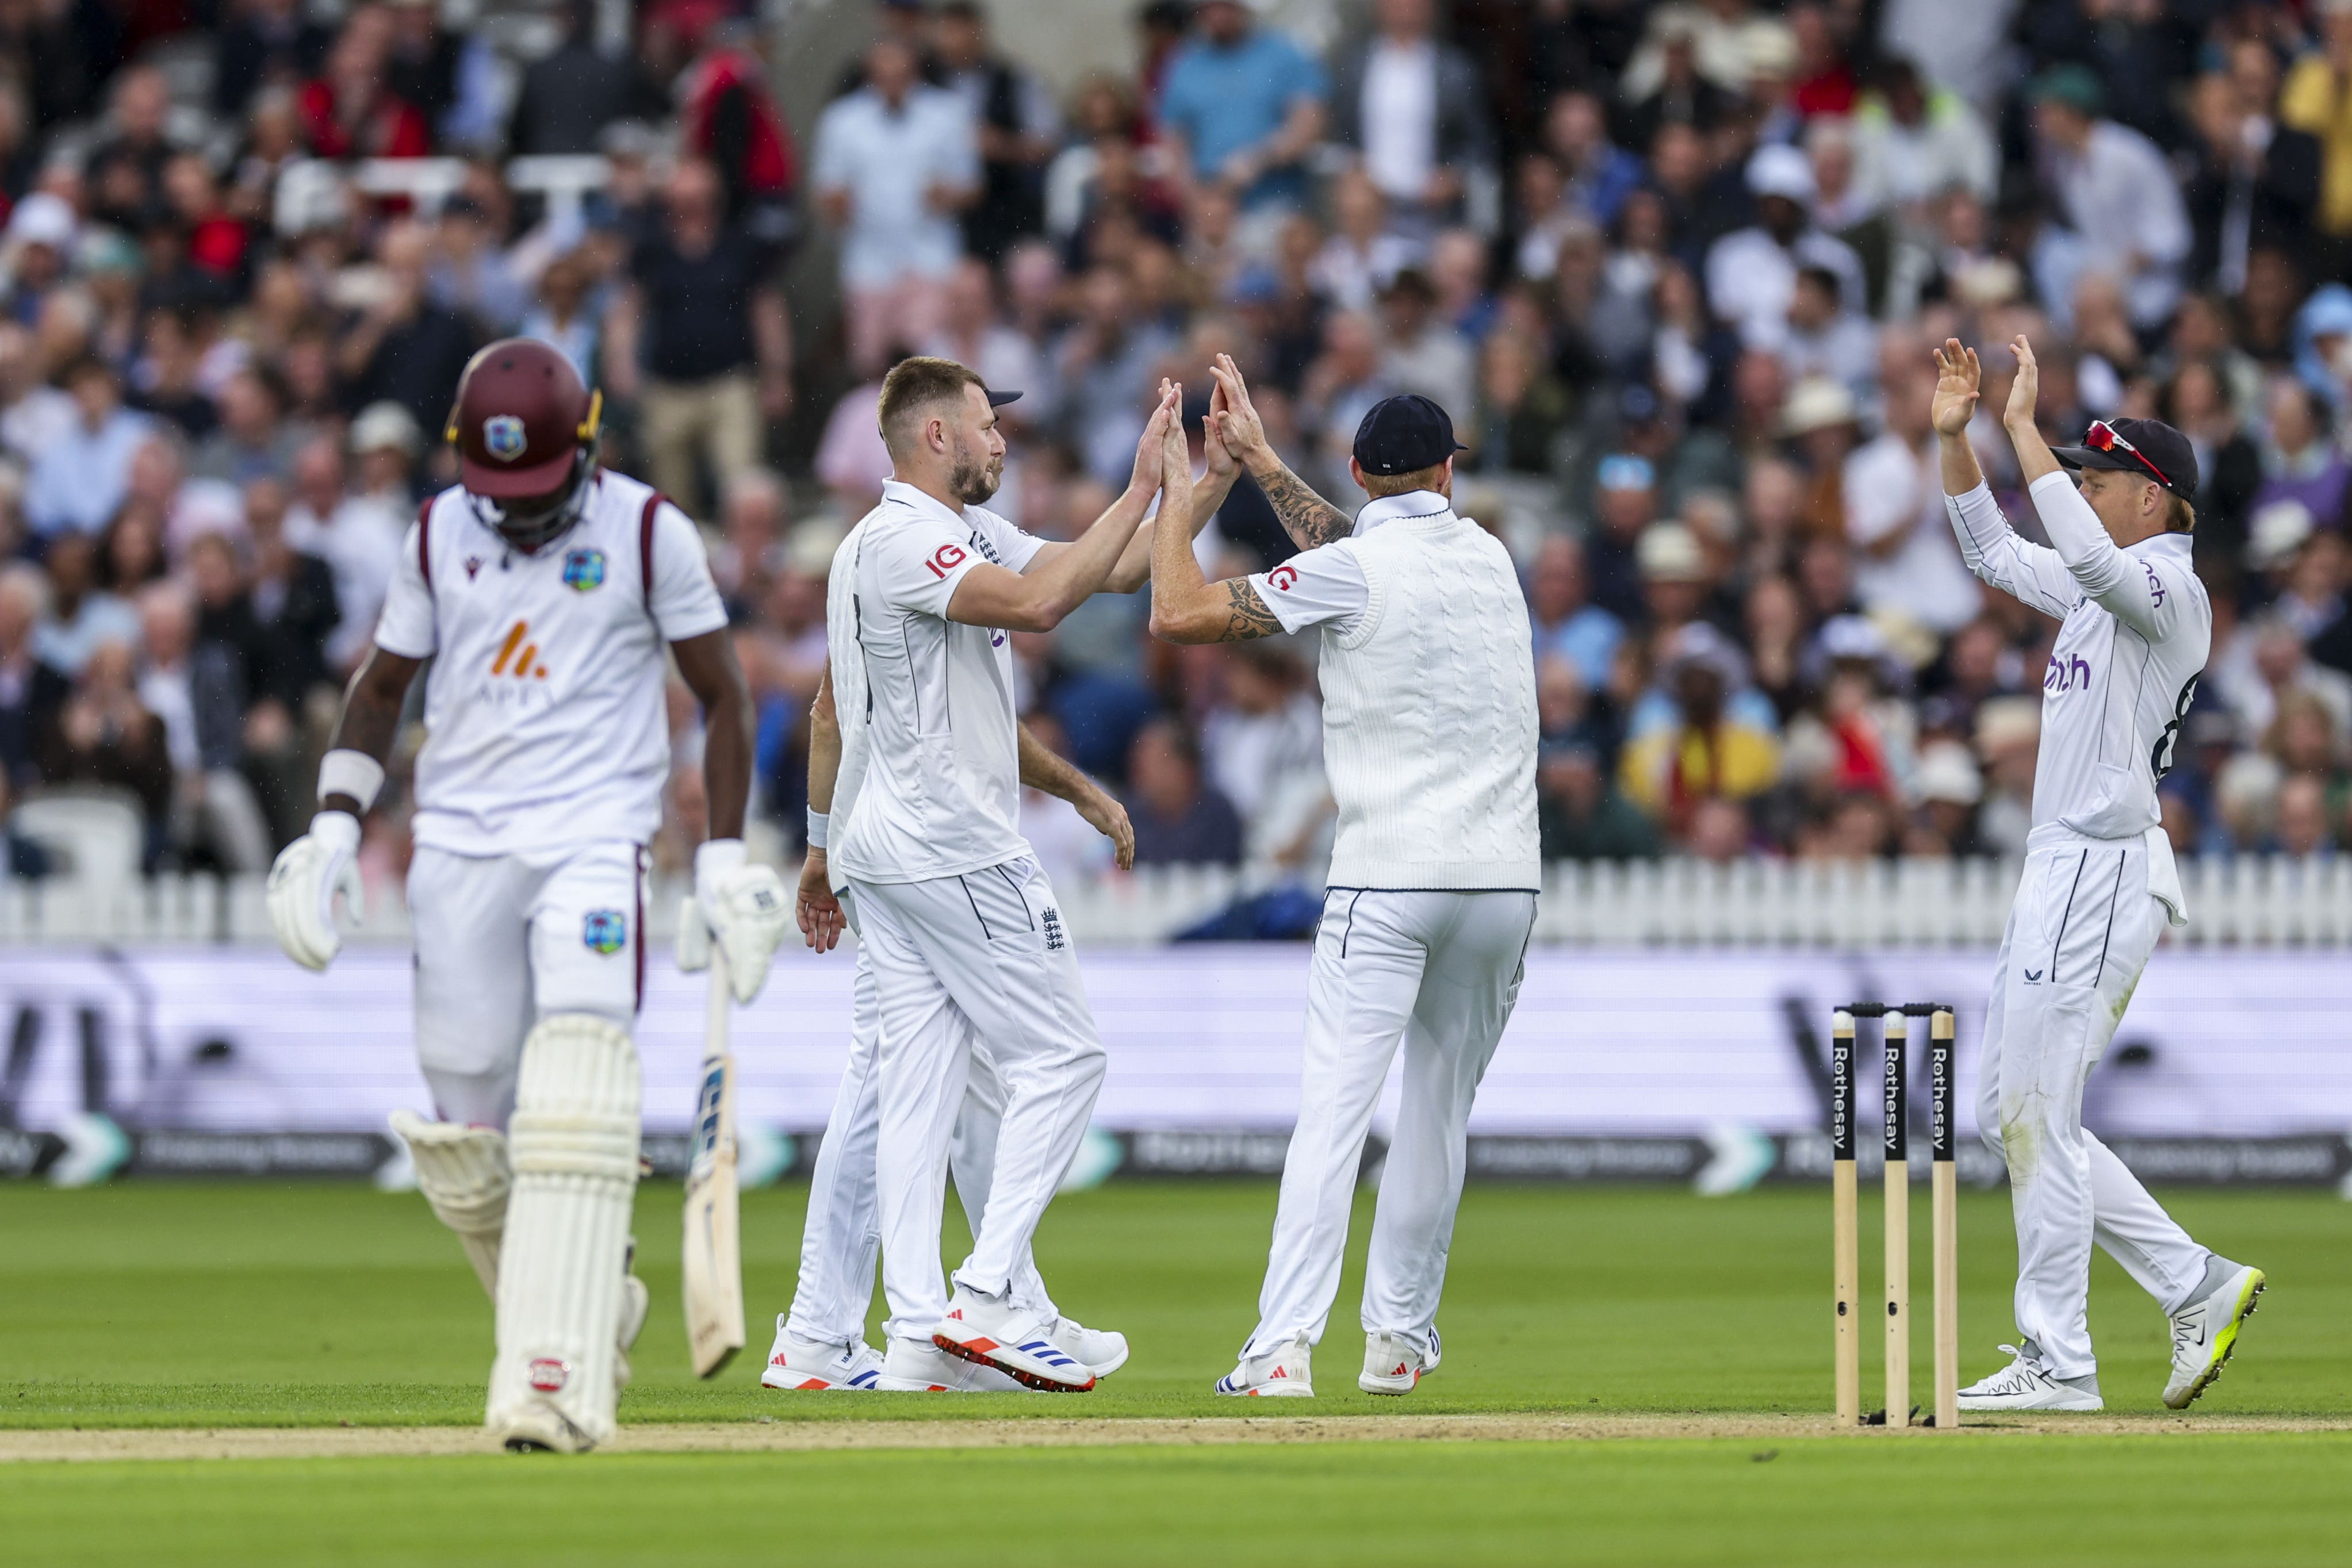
[{"x": 523, "y": 423}]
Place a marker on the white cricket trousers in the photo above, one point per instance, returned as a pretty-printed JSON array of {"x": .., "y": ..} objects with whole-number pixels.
[
  {"x": 501, "y": 942},
  {"x": 983, "y": 955},
  {"x": 2079, "y": 935},
  {"x": 1438, "y": 972},
  {"x": 843, "y": 1233}
]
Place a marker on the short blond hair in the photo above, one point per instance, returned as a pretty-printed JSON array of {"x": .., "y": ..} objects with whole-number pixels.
[{"x": 1379, "y": 485}]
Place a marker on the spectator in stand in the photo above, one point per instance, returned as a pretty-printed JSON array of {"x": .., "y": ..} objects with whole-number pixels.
[
  {"x": 1596, "y": 175},
  {"x": 77, "y": 483},
  {"x": 1907, "y": 564},
  {"x": 267, "y": 42},
  {"x": 421, "y": 60},
  {"x": 732, "y": 122},
  {"x": 1414, "y": 112},
  {"x": 1705, "y": 751},
  {"x": 105, "y": 735},
  {"x": 1581, "y": 815},
  {"x": 80, "y": 616},
  {"x": 1264, "y": 743},
  {"x": 196, "y": 687},
  {"x": 2115, "y": 191},
  {"x": 31, "y": 690},
  {"x": 293, "y": 600},
  {"x": 1104, "y": 366},
  {"x": 896, "y": 161},
  {"x": 254, "y": 441},
  {"x": 347, "y": 112},
  {"x": 699, "y": 338},
  {"x": 1914, "y": 140},
  {"x": 1242, "y": 106},
  {"x": 2256, "y": 181},
  {"x": 2300, "y": 461},
  {"x": 1016, "y": 123},
  {"x": 1751, "y": 274},
  {"x": 568, "y": 96},
  {"x": 406, "y": 347},
  {"x": 2318, "y": 101},
  {"x": 1521, "y": 410},
  {"x": 1827, "y": 337},
  {"x": 972, "y": 333},
  {"x": 1422, "y": 352},
  {"x": 359, "y": 539},
  {"x": 124, "y": 172},
  {"x": 1179, "y": 817}
]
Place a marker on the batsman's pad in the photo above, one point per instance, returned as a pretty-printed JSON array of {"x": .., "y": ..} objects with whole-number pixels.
[
  {"x": 464, "y": 1174},
  {"x": 573, "y": 1140}
]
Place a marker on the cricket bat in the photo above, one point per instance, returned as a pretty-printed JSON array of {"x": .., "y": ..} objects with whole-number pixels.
[{"x": 712, "y": 1262}]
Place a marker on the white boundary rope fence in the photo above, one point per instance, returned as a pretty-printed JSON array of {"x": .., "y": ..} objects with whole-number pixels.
[{"x": 2250, "y": 901}]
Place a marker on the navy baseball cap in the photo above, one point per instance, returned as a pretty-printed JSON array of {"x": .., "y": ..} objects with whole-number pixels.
[
  {"x": 1401, "y": 434},
  {"x": 2147, "y": 447}
]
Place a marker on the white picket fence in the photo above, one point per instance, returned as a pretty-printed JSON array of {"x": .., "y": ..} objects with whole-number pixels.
[{"x": 2247, "y": 902}]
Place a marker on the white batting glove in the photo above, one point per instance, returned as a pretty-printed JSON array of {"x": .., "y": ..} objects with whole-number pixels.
[
  {"x": 744, "y": 910},
  {"x": 302, "y": 887}
]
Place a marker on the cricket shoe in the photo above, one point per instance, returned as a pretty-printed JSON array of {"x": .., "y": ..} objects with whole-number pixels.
[
  {"x": 2205, "y": 1331},
  {"x": 2025, "y": 1384},
  {"x": 992, "y": 1331},
  {"x": 797, "y": 1365},
  {"x": 1285, "y": 1372},
  {"x": 1393, "y": 1362},
  {"x": 1100, "y": 1351},
  {"x": 914, "y": 1367}
]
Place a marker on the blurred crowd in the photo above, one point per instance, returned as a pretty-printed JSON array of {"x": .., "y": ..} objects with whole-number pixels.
[{"x": 1673, "y": 269}]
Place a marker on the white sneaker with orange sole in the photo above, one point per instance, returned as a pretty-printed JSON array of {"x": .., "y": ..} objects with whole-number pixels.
[{"x": 1393, "y": 1362}]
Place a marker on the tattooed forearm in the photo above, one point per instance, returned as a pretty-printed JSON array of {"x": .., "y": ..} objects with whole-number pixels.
[
  {"x": 1247, "y": 616},
  {"x": 1307, "y": 517}
]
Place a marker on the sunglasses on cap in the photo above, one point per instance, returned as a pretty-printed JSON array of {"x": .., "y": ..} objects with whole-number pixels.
[{"x": 2101, "y": 437}]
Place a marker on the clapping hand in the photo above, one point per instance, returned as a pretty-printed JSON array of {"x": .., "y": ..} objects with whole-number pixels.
[{"x": 1958, "y": 382}]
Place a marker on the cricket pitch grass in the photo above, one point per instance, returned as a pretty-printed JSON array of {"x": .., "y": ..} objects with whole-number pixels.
[{"x": 290, "y": 1373}]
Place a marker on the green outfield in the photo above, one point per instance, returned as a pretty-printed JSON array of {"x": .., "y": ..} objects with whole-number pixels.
[{"x": 186, "y": 1306}]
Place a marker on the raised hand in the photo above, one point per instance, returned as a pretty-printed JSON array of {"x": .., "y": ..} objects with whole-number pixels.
[
  {"x": 1222, "y": 465},
  {"x": 1958, "y": 382},
  {"x": 1237, "y": 423},
  {"x": 1150, "y": 447},
  {"x": 2026, "y": 390}
]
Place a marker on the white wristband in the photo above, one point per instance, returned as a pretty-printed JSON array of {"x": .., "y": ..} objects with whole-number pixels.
[
  {"x": 343, "y": 771},
  {"x": 819, "y": 824}
]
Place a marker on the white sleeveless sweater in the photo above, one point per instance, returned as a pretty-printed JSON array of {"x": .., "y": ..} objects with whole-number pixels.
[{"x": 1428, "y": 715}]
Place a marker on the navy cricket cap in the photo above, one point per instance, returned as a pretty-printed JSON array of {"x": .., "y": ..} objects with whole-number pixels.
[
  {"x": 1401, "y": 434},
  {"x": 2147, "y": 447},
  {"x": 999, "y": 399}
]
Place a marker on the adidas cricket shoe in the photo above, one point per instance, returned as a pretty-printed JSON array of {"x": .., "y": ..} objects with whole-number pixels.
[
  {"x": 1393, "y": 1362},
  {"x": 914, "y": 1367},
  {"x": 1285, "y": 1372},
  {"x": 993, "y": 1331},
  {"x": 2205, "y": 1331},
  {"x": 798, "y": 1366},
  {"x": 1099, "y": 1350},
  {"x": 2025, "y": 1384}
]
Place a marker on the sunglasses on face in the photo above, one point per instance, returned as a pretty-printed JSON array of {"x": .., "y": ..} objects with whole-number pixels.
[{"x": 2101, "y": 437}]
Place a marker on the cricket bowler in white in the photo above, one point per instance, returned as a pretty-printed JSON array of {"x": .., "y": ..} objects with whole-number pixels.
[
  {"x": 820, "y": 1341},
  {"x": 549, "y": 594},
  {"x": 1429, "y": 739},
  {"x": 957, "y": 922},
  {"x": 2136, "y": 627}
]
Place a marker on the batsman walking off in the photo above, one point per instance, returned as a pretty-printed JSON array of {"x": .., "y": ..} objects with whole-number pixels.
[
  {"x": 1429, "y": 739},
  {"x": 549, "y": 595},
  {"x": 2135, "y": 628}
]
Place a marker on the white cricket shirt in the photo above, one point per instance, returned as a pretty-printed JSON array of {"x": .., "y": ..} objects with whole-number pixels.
[
  {"x": 544, "y": 716},
  {"x": 2136, "y": 627},
  {"x": 942, "y": 791}
]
